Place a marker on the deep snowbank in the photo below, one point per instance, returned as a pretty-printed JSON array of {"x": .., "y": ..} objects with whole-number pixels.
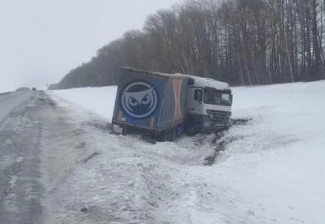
[{"x": 270, "y": 171}]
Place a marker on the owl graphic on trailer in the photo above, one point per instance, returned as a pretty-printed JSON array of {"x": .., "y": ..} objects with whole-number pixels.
[{"x": 139, "y": 100}]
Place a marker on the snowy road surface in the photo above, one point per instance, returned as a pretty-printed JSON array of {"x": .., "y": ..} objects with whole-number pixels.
[
  {"x": 36, "y": 138},
  {"x": 20, "y": 132}
]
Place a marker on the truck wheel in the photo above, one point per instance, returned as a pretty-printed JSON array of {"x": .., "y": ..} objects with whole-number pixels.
[
  {"x": 173, "y": 134},
  {"x": 124, "y": 131},
  {"x": 163, "y": 136},
  {"x": 190, "y": 131},
  {"x": 228, "y": 124},
  {"x": 160, "y": 137},
  {"x": 169, "y": 135}
]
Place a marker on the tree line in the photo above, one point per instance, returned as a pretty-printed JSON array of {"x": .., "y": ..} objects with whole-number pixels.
[{"x": 243, "y": 42}]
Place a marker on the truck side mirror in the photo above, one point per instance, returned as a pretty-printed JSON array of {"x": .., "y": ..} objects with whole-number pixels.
[{"x": 198, "y": 95}]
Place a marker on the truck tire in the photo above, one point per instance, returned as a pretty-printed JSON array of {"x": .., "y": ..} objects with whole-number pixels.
[
  {"x": 168, "y": 135},
  {"x": 124, "y": 131},
  {"x": 190, "y": 131},
  {"x": 173, "y": 134}
]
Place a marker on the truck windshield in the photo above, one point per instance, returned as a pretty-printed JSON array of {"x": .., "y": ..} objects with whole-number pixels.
[{"x": 219, "y": 97}]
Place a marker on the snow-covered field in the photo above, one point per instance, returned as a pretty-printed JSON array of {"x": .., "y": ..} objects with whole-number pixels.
[
  {"x": 271, "y": 169},
  {"x": 98, "y": 100}
]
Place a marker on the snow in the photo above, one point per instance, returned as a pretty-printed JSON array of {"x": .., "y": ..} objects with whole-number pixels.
[
  {"x": 271, "y": 169},
  {"x": 206, "y": 82},
  {"x": 99, "y": 100}
]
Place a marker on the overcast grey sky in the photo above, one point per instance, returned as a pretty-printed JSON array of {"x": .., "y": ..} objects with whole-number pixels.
[{"x": 41, "y": 40}]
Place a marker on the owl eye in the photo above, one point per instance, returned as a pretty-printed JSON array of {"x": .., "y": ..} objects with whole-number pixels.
[
  {"x": 133, "y": 102},
  {"x": 145, "y": 100}
]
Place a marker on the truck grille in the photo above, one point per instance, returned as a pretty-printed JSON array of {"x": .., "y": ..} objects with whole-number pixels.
[{"x": 218, "y": 115}]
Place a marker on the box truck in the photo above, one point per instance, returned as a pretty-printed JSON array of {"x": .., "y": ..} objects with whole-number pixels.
[{"x": 164, "y": 106}]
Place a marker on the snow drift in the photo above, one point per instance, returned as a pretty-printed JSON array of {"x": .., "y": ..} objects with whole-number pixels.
[{"x": 269, "y": 172}]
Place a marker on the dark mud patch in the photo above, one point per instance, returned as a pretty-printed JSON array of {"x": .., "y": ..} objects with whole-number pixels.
[
  {"x": 42, "y": 100},
  {"x": 85, "y": 160},
  {"x": 221, "y": 140},
  {"x": 240, "y": 121},
  {"x": 45, "y": 99},
  {"x": 51, "y": 102},
  {"x": 209, "y": 161}
]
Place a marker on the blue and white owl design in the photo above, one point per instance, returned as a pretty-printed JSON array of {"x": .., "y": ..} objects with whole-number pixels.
[{"x": 139, "y": 100}]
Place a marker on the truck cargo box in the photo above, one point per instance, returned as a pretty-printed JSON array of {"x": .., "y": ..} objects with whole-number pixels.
[{"x": 150, "y": 101}]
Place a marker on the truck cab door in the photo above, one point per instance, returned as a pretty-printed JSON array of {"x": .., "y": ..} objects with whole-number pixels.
[{"x": 195, "y": 101}]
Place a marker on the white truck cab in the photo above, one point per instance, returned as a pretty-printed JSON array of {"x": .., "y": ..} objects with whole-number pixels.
[{"x": 208, "y": 105}]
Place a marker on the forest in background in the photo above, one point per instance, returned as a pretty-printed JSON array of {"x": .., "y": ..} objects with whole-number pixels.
[{"x": 242, "y": 42}]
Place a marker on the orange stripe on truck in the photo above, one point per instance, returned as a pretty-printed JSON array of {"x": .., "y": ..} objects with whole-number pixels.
[
  {"x": 152, "y": 122},
  {"x": 120, "y": 114},
  {"x": 178, "y": 116}
]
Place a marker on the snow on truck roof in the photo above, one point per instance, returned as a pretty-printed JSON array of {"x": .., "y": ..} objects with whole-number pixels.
[
  {"x": 207, "y": 82},
  {"x": 199, "y": 81}
]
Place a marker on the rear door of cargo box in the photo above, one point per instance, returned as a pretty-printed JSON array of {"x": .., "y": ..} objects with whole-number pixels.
[{"x": 139, "y": 99}]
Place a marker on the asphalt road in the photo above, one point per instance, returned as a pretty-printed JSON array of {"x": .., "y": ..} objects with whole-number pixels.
[{"x": 21, "y": 125}]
